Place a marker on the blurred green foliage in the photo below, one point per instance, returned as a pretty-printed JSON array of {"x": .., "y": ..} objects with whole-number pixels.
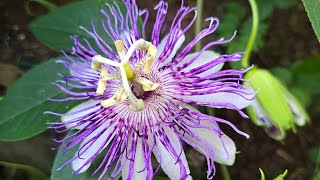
[{"x": 236, "y": 17}]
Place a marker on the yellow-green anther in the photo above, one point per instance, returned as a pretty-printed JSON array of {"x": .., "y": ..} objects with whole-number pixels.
[
  {"x": 95, "y": 64},
  {"x": 152, "y": 51},
  {"x": 102, "y": 83},
  {"x": 118, "y": 97},
  {"x": 122, "y": 53}
]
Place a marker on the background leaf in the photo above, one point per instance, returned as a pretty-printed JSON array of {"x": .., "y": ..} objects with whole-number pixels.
[
  {"x": 285, "y": 3},
  {"x": 22, "y": 108},
  {"x": 54, "y": 29},
  {"x": 306, "y": 74},
  {"x": 34, "y": 173},
  {"x": 313, "y": 7}
]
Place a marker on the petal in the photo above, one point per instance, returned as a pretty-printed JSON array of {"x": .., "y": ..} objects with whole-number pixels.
[
  {"x": 221, "y": 156},
  {"x": 168, "y": 163},
  {"x": 229, "y": 95},
  {"x": 215, "y": 142},
  {"x": 275, "y": 132},
  {"x": 139, "y": 164},
  {"x": 258, "y": 115},
  {"x": 204, "y": 57},
  {"x": 94, "y": 147},
  {"x": 301, "y": 117},
  {"x": 81, "y": 113},
  {"x": 176, "y": 47}
]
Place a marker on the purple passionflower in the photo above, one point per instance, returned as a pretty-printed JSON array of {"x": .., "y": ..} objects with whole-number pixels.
[{"x": 137, "y": 95}]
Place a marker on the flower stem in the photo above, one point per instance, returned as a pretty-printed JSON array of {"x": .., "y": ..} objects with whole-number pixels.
[
  {"x": 225, "y": 172},
  {"x": 253, "y": 34},
  {"x": 198, "y": 23}
]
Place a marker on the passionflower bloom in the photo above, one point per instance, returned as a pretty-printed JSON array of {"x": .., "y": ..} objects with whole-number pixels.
[
  {"x": 137, "y": 94},
  {"x": 275, "y": 108}
]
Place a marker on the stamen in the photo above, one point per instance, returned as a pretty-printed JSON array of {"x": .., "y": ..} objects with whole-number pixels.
[
  {"x": 152, "y": 51},
  {"x": 126, "y": 74},
  {"x": 135, "y": 104},
  {"x": 102, "y": 83},
  {"x": 148, "y": 58},
  {"x": 147, "y": 85}
]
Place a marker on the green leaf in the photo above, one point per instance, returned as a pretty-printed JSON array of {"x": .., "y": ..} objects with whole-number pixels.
[
  {"x": 282, "y": 176},
  {"x": 230, "y": 22},
  {"x": 34, "y": 173},
  {"x": 314, "y": 155},
  {"x": 54, "y": 29},
  {"x": 22, "y": 108},
  {"x": 66, "y": 172},
  {"x": 313, "y": 8},
  {"x": 262, "y": 174},
  {"x": 306, "y": 74}
]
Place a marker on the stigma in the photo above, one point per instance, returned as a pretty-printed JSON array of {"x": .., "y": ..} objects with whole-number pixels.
[{"x": 126, "y": 73}]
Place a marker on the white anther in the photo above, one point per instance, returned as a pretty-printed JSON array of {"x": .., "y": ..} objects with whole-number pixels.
[
  {"x": 139, "y": 44},
  {"x": 97, "y": 61}
]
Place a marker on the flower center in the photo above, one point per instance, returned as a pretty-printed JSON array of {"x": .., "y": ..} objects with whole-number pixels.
[{"x": 126, "y": 74}]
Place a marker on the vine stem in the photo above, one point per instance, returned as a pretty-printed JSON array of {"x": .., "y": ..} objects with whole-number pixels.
[
  {"x": 198, "y": 23},
  {"x": 253, "y": 34}
]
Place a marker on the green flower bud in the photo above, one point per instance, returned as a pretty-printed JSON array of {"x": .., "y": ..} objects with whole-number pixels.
[{"x": 274, "y": 108}]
